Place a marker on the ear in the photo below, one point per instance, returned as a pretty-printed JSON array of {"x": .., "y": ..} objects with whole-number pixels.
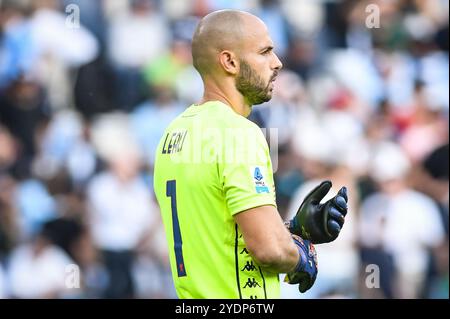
[{"x": 229, "y": 62}]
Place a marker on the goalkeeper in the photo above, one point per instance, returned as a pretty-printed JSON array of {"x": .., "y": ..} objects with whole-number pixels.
[{"x": 213, "y": 177}]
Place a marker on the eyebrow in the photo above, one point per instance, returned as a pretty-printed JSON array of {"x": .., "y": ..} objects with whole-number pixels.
[{"x": 267, "y": 48}]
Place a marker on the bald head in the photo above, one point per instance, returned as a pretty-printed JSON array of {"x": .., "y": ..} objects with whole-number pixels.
[
  {"x": 218, "y": 31},
  {"x": 233, "y": 52}
]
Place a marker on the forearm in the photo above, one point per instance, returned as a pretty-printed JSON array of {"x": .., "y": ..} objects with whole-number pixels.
[
  {"x": 279, "y": 259},
  {"x": 268, "y": 241}
]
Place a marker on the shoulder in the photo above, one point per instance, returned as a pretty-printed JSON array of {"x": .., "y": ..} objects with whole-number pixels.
[
  {"x": 236, "y": 120},
  {"x": 239, "y": 127}
]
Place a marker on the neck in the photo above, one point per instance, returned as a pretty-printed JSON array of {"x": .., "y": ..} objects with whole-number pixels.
[{"x": 226, "y": 94}]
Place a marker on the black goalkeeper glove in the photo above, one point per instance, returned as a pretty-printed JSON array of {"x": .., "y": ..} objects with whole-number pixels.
[{"x": 320, "y": 223}]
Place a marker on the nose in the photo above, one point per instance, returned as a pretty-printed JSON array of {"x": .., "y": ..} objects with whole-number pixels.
[{"x": 277, "y": 63}]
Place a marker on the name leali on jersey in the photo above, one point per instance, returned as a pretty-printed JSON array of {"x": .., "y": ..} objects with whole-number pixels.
[{"x": 175, "y": 143}]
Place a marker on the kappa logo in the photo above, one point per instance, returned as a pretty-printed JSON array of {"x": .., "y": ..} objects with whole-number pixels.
[
  {"x": 260, "y": 185},
  {"x": 249, "y": 266},
  {"x": 251, "y": 283}
]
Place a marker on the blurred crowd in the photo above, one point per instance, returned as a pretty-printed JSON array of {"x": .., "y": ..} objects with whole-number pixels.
[{"x": 87, "y": 88}]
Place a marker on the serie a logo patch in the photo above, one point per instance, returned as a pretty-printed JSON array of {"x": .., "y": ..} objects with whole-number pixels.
[{"x": 259, "y": 175}]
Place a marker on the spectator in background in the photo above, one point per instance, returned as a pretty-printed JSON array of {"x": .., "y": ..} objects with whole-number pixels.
[
  {"x": 305, "y": 17},
  {"x": 136, "y": 38},
  {"x": 38, "y": 269},
  {"x": 74, "y": 239},
  {"x": 174, "y": 72},
  {"x": 39, "y": 51},
  {"x": 427, "y": 128},
  {"x": 164, "y": 69},
  {"x": 431, "y": 178},
  {"x": 434, "y": 181},
  {"x": 38, "y": 44},
  {"x": 401, "y": 222},
  {"x": 121, "y": 211},
  {"x": 23, "y": 109},
  {"x": 61, "y": 49}
]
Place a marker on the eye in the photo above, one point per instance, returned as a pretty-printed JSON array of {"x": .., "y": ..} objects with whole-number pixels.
[{"x": 267, "y": 50}]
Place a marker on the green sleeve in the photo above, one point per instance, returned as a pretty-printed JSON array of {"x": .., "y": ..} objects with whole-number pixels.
[{"x": 247, "y": 180}]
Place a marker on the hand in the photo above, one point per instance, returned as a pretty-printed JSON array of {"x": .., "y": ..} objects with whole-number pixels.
[
  {"x": 320, "y": 223},
  {"x": 305, "y": 272}
]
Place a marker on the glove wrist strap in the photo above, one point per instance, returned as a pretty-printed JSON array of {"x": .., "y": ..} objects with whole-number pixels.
[{"x": 302, "y": 257}]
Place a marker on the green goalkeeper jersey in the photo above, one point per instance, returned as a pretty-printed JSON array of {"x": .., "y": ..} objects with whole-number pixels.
[{"x": 211, "y": 164}]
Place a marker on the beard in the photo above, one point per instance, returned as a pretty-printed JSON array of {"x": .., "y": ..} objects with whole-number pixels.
[{"x": 250, "y": 84}]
